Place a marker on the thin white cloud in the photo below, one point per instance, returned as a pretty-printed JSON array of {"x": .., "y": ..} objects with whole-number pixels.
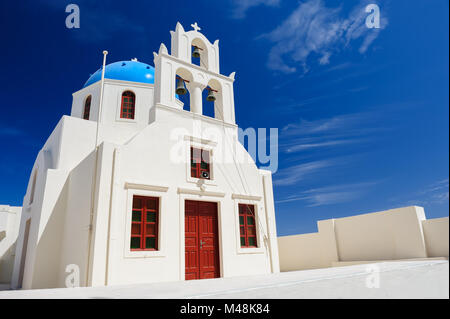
[
  {"x": 434, "y": 193},
  {"x": 345, "y": 123},
  {"x": 293, "y": 174},
  {"x": 436, "y": 187},
  {"x": 307, "y": 146},
  {"x": 337, "y": 131},
  {"x": 240, "y": 7},
  {"x": 316, "y": 30},
  {"x": 329, "y": 195}
]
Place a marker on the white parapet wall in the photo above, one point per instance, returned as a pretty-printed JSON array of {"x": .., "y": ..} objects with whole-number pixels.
[
  {"x": 436, "y": 236},
  {"x": 396, "y": 234}
]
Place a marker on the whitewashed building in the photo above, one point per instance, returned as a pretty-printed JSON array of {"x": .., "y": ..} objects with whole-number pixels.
[
  {"x": 9, "y": 231},
  {"x": 136, "y": 187}
]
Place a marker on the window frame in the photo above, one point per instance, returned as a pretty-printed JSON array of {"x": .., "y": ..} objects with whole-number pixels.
[
  {"x": 87, "y": 107},
  {"x": 198, "y": 165},
  {"x": 246, "y": 213},
  {"x": 138, "y": 187},
  {"x": 122, "y": 113},
  {"x": 144, "y": 222}
]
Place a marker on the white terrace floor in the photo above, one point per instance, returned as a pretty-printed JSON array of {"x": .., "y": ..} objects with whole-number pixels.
[{"x": 412, "y": 279}]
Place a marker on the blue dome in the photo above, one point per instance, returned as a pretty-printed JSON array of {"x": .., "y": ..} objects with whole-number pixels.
[{"x": 133, "y": 71}]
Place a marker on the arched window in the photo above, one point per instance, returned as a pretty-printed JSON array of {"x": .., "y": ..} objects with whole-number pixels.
[
  {"x": 127, "y": 108},
  {"x": 87, "y": 108}
]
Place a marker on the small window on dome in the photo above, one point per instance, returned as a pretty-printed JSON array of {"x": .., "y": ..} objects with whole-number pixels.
[
  {"x": 128, "y": 105},
  {"x": 87, "y": 108}
]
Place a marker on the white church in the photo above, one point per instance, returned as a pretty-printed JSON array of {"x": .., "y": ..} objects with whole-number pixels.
[{"x": 137, "y": 187}]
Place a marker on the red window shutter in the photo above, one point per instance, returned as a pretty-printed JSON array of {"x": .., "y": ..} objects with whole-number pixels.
[
  {"x": 247, "y": 225},
  {"x": 127, "y": 108},
  {"x": 200, "y": 163},
  {"x": 87, "y": 108},
  {"x": 144, "y": 223}
]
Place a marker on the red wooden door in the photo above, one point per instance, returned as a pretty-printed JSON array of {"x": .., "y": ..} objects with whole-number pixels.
[{"x": 201, "y": 240}]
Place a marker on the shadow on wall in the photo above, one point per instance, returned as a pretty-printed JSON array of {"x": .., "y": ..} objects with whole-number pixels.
[
  {"x": 7, "y": 264},
  {"x": 48, "y": 249}
]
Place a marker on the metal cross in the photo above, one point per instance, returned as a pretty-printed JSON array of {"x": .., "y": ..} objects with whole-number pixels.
[{"x": 195, "y": 27}]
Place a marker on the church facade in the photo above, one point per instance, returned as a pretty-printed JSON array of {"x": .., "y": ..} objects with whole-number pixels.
[{"x": 136, "y": 186}]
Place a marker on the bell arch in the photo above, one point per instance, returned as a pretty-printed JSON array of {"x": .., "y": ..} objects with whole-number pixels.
[
  {"x": 215, "y": 88},
  {"x": 182, "y": 78},
  {"x": 183, "y": 41},
  {"x": 202, "y": 49}
]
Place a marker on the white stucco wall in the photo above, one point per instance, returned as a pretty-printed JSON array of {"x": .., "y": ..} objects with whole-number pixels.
[
  {"x": 70, "y": 142},
  {"x": 389, "y": 235},
  {"x": 143, "y": 163},
  {"x": 436, "y": 236},
  {"x": 9, "y": 231}
]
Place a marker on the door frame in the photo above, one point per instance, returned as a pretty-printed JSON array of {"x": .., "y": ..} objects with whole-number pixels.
[{"x": 218, "y": 201}]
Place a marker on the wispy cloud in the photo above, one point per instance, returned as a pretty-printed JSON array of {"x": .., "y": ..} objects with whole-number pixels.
[
  {"x": 336, "y": 131},
  {"x": 299, "y": 172},
  {"x": 331, "y": 194},
  {"x": 293, "y": 174},
  {"x": 306, "y": 146},
  {"x": 314, "y": 29},
  {"x": 434, "y": 193},
  {"x": 325, "y": 125},
  {"x": 240, "y": 7}
]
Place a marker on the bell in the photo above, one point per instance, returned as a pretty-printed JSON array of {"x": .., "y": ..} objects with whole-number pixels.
[
  {"x": 196, "y": 52},
  {"x": 211, "y": 97},
  {"x": 181, "y": 90}
]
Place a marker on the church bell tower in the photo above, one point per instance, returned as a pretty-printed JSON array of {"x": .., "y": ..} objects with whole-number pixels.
[{"x": 175, "y": 73}]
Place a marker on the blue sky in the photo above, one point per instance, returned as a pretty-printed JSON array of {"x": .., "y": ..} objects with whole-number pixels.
[{"x": 362, "y": 113}]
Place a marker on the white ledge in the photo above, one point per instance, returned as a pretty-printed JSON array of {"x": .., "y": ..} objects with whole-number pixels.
[
  {"x": 198, "y": 192},
  {"x": 199, "y": 140},
  {"x": 146, "y": 187},
  {"x": 249, "y": 197},
  {"x": 195, "y": 116}
]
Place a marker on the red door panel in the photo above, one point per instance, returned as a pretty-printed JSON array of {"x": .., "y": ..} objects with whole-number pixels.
[
  {"x": 191, "y": 242},
  {"x": 201, "y": 240}
]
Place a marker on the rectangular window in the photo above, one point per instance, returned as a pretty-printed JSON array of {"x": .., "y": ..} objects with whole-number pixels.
[
  {"x": 144, "y": 223},
  {"x": 247, "y": 225},
  {"x": 200, "y": 163}
]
